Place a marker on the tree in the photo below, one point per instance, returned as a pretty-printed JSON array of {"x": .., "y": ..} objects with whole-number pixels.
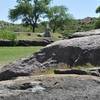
[
  {"x": 30, "y": 11},
  {"x": 58, "y": 15},
  {"x": 97, "y": 24},
  {"x": 98, "y": 9}
]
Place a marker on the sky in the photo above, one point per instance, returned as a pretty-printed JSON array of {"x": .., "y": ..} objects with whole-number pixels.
[{"x": 78, "y": 8}]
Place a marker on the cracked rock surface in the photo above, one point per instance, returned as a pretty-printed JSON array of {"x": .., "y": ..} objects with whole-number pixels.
[{"x": 53, "y": 87}]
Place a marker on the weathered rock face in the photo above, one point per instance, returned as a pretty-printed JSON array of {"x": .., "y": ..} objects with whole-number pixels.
[
  {"x": 77, "y": 51},
  {"x": 88, "y": 33},
  {"x": 42, "y": 42},
  {"x": 52, "y": 88},
  {"x": 73, "y": 52}
]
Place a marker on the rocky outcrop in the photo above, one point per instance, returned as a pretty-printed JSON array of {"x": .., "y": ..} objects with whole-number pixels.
[
  {"x": 72, "y": 52},
  {"x": 42, "y": 42},
  {"x": 87, "y": 33},
  {"x": 87, "y": 20},
  {"x": 7, "y": 43},
  {"x": 56, "y": 87}
]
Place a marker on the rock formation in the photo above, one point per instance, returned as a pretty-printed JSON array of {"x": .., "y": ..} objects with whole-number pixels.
[
  {"x": 71, "y": 52},
  {"x": 88, "y": 33},
  {"x": 59, "y": 87}
]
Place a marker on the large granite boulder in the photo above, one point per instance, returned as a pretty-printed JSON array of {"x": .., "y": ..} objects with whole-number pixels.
[
  {"x": 72, "y": 52},
  {"x": 56, "y": 87}
]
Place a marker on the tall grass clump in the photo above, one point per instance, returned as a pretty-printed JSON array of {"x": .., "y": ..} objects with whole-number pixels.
[{"x": 4, "y": 34}]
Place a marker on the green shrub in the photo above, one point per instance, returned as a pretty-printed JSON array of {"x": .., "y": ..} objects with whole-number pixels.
[
  {"x": 97, "y": 24},
  {"x": 4, "y": 34},
  {"x": 68, "y": 33}
]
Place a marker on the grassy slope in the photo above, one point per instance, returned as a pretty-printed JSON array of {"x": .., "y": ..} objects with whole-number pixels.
[{"x": 9, "y": 54}]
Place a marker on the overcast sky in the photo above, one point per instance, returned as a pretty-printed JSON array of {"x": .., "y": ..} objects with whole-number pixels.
[{"x": 78, "y": 8}]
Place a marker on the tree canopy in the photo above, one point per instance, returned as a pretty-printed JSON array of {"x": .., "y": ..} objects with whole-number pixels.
[
  {"x": 98, "y": 9},
  {"x": 58, "y": 16},
  {"x": 30, "y": 11},
  {"x": 97, "y": 24}
]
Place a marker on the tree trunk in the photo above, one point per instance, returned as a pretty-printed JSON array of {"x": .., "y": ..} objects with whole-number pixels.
[
  {"x": 33, "y": 28},
  {"x": 54, "y": 30}
]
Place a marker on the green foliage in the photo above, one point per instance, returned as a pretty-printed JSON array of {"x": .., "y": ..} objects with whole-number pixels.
[
  {"x": 86, "y": 27},
  {"x": 18, "y": 28},
  {"x": 29, "y": 11},
  {"x": 58, "y": 16},
  {"x": 97, "y": 24},
  {"x": 69, "y": 28},
  {"x": 79, "y": 26},
  {"x": 98, "y": 9},
  {"x": 14, "y": 27},
  {"x": 67, "y": 33},
  {"x": 4, "y": 34}
]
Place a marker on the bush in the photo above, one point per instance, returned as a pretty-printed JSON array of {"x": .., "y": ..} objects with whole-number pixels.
[
  {"x": 97, "y": 24},
  {"x": 4, "y": 34},
  {"x": 68, "y": 33}
]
